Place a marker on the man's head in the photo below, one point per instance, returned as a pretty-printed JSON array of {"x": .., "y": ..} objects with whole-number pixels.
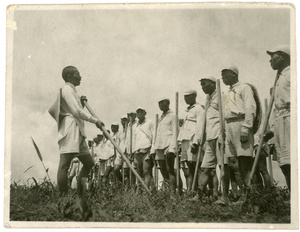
[
  {"x": 71, "y": 75},
  {"x": 230, "y": 75},
  {"x": 280, "y": 57},
  {"x": 190, "y": 96},
  {"x": 114, "y": 127},
  {"x": 141, "y": 113},
  {"x": 100, "y": 137},
  {"x": 132, "y": 115},
  {"x": 124, "y": 120},
  {"x": 164, "y": 104},
  {"x": 208, "y": 84}
]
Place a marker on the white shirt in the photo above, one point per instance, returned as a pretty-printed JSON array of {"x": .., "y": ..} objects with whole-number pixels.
[
  {"x": 122, "y": 141},
  {"x": 116, "y": 137},
  {"x": 192, "y": 126},
  {"x": 106, "y": 149},
  {"x": 212, "y": 116},
  {"x": 72, "y": 110},
  {"x": 166, "y": 132},
  {"x": 282, "y": 93},
  {"x": 143, "y": 135},
  {"x": 240, "y": 101}
]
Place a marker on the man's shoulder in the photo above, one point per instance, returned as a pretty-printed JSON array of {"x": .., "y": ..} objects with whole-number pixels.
[
  {"x": 171, "y": 114},
  {"x": 198, "y": 107},
  {"x": 244, "y": 87},
  {"x": 67, "y": 89},
  {"x": 286, "y": 72},
  {"x": 149, "y": 122}
]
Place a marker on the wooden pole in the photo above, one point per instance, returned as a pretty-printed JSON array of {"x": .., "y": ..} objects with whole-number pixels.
[
  {"x": 177, "y": 150},
  {"x": 269, "y": 155},
  {"x": 118, "y": 149},
  {"x": 155, "y": 165},
  {"x": 99, "y": 173},
  {"x": 123, "y": 176},
  {"x": 200, "y": 148},
  {"x": 130, "y": 148},
  {"x": 264, "y": 128},
  {"x": 222, "y": 174},
  {"x": 125, "y": 137}
]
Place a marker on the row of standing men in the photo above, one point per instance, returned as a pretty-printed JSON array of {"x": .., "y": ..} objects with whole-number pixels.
[{"x": 148, "y": 146}]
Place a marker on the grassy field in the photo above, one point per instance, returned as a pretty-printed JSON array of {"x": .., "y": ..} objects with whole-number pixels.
[{"x": 41, "y": 202}]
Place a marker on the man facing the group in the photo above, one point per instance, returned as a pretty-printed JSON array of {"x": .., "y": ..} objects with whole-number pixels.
[{"x": 71, "y": 130}]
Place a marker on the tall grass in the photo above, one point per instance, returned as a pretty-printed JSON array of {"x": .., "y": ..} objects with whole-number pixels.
[{"x": 41, "y": 159}]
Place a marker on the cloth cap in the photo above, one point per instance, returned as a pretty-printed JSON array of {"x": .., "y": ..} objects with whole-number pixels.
[
  {"x": 124, "y": 116},
  {"x": 162, "y": 99},
  {"x": 233, "y": 68},
  {"x": 131, "y": 112},
  {"x": 281, "y": 48},
  {"x": 141, "y": 108},
  {"x": 189, "y": 92},
  {"x": 100, "y": 133},
  {"x": 209, "y": 78},
  {"x": 115, "y": 124}
]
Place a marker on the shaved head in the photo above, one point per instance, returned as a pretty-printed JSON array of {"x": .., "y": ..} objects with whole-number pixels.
[{"x": 68, "y": 70}]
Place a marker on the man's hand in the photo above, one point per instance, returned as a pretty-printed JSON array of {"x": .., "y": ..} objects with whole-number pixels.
[
  {"x": 194, "y": 148},
  {"x": 268, "y": 135},
  {"x": 100, "y": 124},
  {"x": 244, "y": 137},
  {"x": 82, "y": 100},
  {"x": 170, "y": 155}
]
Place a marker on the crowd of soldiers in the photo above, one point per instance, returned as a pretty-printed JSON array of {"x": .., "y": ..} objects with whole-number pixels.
[{"x": 204, "y": 135}]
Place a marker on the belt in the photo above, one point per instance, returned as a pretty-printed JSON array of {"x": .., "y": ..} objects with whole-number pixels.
[
  {"x": 191, "y": 120},
  {"x": 235, "y": 119}
]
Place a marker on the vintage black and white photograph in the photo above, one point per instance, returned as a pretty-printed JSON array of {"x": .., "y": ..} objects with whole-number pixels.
[{"x": 158, "y": 115}]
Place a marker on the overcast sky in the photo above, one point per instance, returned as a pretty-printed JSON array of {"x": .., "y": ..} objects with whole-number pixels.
[{"x": 128, "y": 58}]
